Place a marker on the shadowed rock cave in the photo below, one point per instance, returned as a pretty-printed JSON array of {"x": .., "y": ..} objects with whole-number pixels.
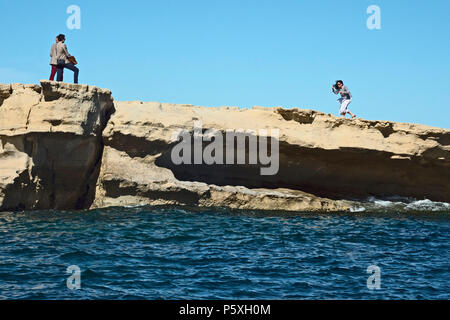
[{"x": 346, "y": 173}]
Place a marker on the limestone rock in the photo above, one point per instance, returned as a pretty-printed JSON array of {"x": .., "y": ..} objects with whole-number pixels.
[
  {"x": 50, "y": 144},
  {"x": 325, "y": 161}
]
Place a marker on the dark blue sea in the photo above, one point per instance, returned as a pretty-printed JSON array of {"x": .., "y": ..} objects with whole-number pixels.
[{"x": 148, "y": 253}]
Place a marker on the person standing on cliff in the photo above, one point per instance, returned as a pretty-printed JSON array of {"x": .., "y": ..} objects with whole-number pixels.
[
  {"x": 62, "y": 56},
  {"x": 53, "y": 60},
  {"x": 345, "y": 99}
]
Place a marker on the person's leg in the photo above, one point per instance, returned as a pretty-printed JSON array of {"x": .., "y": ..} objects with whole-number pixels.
[
  {"x": 59, "y": 73},
  {"x": 348, "y": 111},
  {"x": 340, "y": 103},
  {"x": 344, "y": 104},
  {"x": 52, "y": 74},
  {"x": 75, "y": 70}
]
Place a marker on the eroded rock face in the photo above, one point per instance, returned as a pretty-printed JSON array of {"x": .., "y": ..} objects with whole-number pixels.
[
  {"x": 137, "y": 167},
  {"x": 50, "y": 144},
  {"x": 360, "y": 158},
  {"x": 324, "y": 161}
]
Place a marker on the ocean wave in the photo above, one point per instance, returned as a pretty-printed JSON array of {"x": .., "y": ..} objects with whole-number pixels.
[{"x": 400, "y": 204}]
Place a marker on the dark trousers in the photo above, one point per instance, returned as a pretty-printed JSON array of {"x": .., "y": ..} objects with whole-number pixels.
[{"x": 69, "y": 66}]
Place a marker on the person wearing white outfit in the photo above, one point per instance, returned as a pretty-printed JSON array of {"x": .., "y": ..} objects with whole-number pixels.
[{"x": 345, "y": 99}]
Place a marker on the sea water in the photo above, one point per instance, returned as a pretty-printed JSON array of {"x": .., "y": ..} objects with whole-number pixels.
[{"x": 168, "y": 253}]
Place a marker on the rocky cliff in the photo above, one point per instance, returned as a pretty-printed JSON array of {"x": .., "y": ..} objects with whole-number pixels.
[
  {"x": 51, "y": 144},
  {"x": 68, "y": 146}
]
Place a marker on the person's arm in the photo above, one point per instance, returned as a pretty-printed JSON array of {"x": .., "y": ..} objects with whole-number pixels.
[
  {"x": 334, "y": 90},
  {"x": 65, "y": 51},
  {"x": 51, "y": 50}
]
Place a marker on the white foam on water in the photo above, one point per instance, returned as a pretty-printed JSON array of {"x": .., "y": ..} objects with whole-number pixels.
[
  {"x": 357, "y": 209},
  {"x": 400, "y": 204},
  {"x": 427, "y": 205}
]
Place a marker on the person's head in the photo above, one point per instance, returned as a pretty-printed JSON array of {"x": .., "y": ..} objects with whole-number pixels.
[
  {"x": 61, "y": 38},
  {"x": 57, "y": 39},
  {"x": 339, "y": 84}
]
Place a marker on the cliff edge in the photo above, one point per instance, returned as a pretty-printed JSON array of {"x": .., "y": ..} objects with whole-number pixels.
[{"x": 51, "y": 144}]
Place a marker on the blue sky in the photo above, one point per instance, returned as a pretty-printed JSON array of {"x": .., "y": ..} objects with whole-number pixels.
[{"x": 244, "y": 53}]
